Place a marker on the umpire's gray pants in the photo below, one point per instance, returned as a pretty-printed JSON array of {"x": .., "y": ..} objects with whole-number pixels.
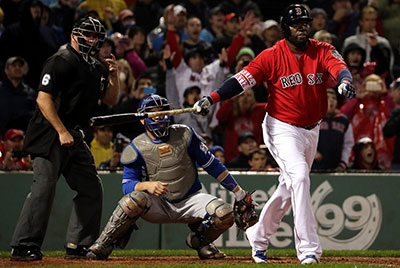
[{"x": 76, "y": 164}]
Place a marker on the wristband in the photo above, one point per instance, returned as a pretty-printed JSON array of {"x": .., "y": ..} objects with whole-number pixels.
[
  {"x": 229, "y": 182},
  {"x": 214, "y": 97}
]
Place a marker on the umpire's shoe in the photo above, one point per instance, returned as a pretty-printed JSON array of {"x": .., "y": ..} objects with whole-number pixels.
[
  {"x": 26, "y": 253},
  {"x": 75, "y": 252},
  {"x": 209, "y": 251}
]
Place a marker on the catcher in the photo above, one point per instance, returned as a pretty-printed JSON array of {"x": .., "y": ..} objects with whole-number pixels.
[{"x": 161, "y": 185}]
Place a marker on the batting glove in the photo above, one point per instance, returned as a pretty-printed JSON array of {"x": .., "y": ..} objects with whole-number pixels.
[
  {"x": 203, "y": 105},
  {"x": 347, "y": 89}
]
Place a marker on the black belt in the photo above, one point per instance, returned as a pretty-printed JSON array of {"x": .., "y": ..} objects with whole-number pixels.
[{"x": 307, "y": 127}]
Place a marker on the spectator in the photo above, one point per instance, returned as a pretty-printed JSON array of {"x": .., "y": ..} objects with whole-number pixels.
[
  {"x": 246, "y": 143},
  {"x": 17, "y": 100},
  {"x": 336, "y": 139},
  {"x": 239, "y": 7},
  {"x": 126, "y": 79},
  {"x": 106, "y": 9},
  {"x": 354, "y": 56},
  {"x": 270, "y": 32},
  {"x": 114, "y": 163},
  {"x": 219, "y": 153},
  {"x": 11, "y": 9},
  {"x": 11, "y": 155},
  {"x": 120, "y": 43},
  {"x": 258, "y": 160},
  {"x": 102, "y": 146},
  {"x": 106, "y": 49},
  {"x": 377, "y": 48},
  {"x": 147, "y": 14},
  {"x": 368, "y": 114},
  {"x": 199, "y": 9},
  {"x": 389, "y": 12},
  {"x": 344, "y": 21},
  {"x": 53, "y": 34},
  {"x": 175, "y": 16},
  {"x": 63, "y": 16},
  {"x": 238, "y": 115},
  {"x": 190, "y": 95},
  {"x": 24, "y": 39},
  {"x": 392, "y": 126},
  {"x": 215, "y": 27},
  {"x": 320, "y": 20},
  {"x": 1, "y": 21},
  {"x": 136, "y": 50},
  {"x": 193, "y": 29},
  {"x": 323, "y": 36},
  {"x": 126, "y": 19},
  {"x": 143, "y": 86},
  {"x": 365, "y": 155}
]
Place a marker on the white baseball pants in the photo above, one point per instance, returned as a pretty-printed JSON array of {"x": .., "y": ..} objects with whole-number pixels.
[{"x": 293, "y": 148}]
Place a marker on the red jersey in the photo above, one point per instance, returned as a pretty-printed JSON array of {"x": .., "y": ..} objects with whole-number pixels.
[{"x": 296, "y": 85}]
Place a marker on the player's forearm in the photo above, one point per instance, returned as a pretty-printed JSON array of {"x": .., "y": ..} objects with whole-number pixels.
[
  {"x": 48, "y": 109},
  {"x": 227, "y": 90}
]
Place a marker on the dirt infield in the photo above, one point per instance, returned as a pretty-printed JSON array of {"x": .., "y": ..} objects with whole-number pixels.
[{"x": 55, "y": 261}]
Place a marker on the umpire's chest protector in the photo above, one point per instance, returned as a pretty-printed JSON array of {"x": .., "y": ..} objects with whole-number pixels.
[{"x": 169, "y": 162}]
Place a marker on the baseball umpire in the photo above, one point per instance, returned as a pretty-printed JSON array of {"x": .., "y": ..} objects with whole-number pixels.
[
  {"x": 161, "y": 185},
  {"x": 72, "y": 82},
  {"x": 296, "y": 70}
]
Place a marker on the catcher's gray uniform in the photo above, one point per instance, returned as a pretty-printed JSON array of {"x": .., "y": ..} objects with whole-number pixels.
[{"x": 172, "y": 161}]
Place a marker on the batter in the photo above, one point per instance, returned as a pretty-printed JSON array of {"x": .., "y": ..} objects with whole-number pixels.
[{"x": 296, "y": 70}]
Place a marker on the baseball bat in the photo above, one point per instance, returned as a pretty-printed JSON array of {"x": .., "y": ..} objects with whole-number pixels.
[{"x": 116, "y": 119}]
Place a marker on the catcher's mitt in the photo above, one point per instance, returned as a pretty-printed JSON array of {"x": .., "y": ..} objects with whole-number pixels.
[{"x": 245, "y": 214}]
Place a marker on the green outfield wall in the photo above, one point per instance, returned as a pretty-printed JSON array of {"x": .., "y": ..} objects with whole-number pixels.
[{"x": 354, "y": 211}]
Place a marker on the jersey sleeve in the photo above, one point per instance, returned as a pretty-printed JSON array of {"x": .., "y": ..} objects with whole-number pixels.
[
  {"x": 333, "y": 61},
  {"x": 55, "y": 70},
  {"x": 132, "y": 175},
  {"x": 259, "y": 68},
  {"x": 200, "y": 154}
]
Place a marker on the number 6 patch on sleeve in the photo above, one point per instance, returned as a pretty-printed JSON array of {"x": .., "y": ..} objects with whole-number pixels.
[{"x": 46, "y": 79}]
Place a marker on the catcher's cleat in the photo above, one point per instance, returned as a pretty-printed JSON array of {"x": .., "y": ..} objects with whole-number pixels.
[
  {"x": 97, "y": 253},
  {"x": 25, "y": 253},
  {"x": 309, "y": 259},
  {"x": 209, "y": 251},
  {"x": 75, "y": 252},
  {"x": 259, "y": 256}
]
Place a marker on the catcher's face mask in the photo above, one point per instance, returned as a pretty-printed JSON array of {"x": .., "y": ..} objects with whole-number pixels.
[
  {"x": 159, "y": 127},
  {"x": 90, "y": 34}
]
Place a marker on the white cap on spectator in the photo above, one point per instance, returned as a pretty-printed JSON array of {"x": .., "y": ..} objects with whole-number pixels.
[
  {"x": 178, "y": 9},
  {"x": 268, "y": 24}
]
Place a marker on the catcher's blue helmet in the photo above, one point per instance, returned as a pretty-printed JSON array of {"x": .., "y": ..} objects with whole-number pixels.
[
  {"x": 291, "y": 14},
  {"x": 159, "y": 128}
]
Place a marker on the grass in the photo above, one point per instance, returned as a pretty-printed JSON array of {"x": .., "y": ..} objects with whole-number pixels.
[{"x": 233, "y": 252}]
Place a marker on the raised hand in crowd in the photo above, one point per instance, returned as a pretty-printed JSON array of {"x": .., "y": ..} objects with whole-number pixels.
[{"x": 247, "y": 23}]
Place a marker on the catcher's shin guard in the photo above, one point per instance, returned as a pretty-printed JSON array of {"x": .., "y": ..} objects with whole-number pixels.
[
  {"x": 129, "y": 209},
  {"x": 220, "y": 219}
]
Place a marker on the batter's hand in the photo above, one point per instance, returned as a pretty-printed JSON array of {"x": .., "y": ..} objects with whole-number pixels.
[
  {"x": 347, "y": 89},
  {"x": 203, "y": 106}
]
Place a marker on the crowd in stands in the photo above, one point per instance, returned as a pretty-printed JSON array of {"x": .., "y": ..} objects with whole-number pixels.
[{"x": 184, "y": 49}]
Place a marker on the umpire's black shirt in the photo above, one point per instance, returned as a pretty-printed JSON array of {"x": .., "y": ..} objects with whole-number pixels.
[{"x": 76, "y": 87}]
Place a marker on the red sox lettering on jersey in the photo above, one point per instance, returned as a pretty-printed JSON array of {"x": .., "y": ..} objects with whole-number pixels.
[{"x": 296, "y": 82}]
